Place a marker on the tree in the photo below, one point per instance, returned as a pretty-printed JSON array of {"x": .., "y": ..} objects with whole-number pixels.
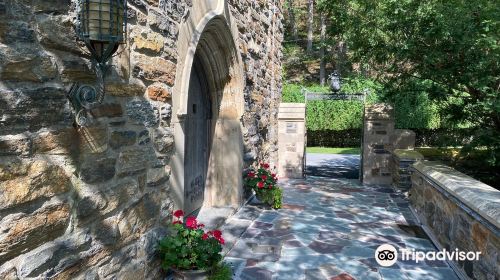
[
  {"x": 447, "y": 49},
  {"x": 310, "y": 25},
  {"x": 291, "y": 19},
  {"x": 322, "y": 50}
]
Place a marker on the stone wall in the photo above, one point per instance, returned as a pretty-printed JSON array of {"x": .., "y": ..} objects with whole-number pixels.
[
  {"x": 461, "y": 213},
  {"x": 400, "y": 164},
  {"x": 91, "y": 203}
]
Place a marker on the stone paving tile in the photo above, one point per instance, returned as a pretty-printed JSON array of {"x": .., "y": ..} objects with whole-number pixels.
[{"x": 329, "y": 228}]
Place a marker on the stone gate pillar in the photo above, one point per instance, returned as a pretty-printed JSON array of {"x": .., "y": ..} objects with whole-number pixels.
[
  {"x": 378, "y": 128},
  {"x": 291, "y": 140}
]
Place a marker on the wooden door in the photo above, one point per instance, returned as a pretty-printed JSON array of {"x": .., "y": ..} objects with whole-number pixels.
[{"x": 197, "y": 125}]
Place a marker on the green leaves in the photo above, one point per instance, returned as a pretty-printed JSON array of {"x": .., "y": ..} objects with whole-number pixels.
[{"x": 187, "y": 250}]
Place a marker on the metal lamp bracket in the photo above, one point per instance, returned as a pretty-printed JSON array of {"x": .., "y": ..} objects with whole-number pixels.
[{"x": 84, "y": 97}]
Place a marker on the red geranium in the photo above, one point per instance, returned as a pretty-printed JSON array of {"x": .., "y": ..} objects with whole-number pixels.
[
  {"x": 263, "y": 181},
  {"x": 179, "y": 213},
  {"x": 190, "y": 240},
  {"x": 221, "y": 240},
  {"x": 217, "y": 233},
  {"x": 191, "y": 222}
]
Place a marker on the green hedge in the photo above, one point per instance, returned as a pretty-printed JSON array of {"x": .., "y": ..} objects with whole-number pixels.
[
  {"x": 334, "y": 115},
  {"x": 412, "y": 110},
  {"x": 424, "y": 137},
  {"x": 334, "y": 138}
]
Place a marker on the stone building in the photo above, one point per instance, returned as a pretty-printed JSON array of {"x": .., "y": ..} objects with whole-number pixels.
[{"x": 191, "y": 100}]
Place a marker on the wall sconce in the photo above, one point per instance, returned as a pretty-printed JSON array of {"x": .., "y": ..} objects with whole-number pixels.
[{"x": 102, "y": 26}]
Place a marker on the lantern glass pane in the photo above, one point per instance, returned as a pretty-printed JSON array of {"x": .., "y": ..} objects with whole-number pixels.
[{"x": 103, "y": 20}]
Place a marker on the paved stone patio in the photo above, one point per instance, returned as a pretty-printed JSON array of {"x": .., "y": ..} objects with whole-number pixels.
[
  {"x": 328, "y": 228},
  {"x": 333, "y": 165}
]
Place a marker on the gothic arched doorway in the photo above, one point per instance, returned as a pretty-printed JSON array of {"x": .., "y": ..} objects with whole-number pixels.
[{"x": 208, "y": 163}]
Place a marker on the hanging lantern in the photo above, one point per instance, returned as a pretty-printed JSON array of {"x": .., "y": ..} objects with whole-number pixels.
[
  {"x": 335, "y": 84},
  {"x": 102, "y": 26}
]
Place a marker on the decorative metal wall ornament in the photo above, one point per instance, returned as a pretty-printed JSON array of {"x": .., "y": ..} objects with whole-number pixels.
[{"x": 102, "y": 26}]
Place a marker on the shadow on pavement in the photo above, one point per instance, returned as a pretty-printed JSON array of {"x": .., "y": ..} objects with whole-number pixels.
[{"x": 333, "y": 166}]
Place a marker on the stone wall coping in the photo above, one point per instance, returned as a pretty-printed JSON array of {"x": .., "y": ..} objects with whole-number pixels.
[
  {"x": 407, "y": 154},
  {"x": 482, "y": 198},
  {"x": 379, "y": 112},
  {"x": 292, "y": 105},
  {"x": 292, "y": 111}
]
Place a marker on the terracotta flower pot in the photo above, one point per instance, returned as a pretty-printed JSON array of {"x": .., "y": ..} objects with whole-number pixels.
[{"x": 190, "y": 274}]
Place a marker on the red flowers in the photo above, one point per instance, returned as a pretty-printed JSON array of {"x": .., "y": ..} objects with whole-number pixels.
[
  {"x": 265, "y": 165},
  {"x": 263, "y": 177},
  {"x": 191, "y": 222},
  {"x": 217, "y": 234},
  {"x": 251, "y": 174},
  {"x": 260, "y": 185},
  {"x": 190, "y": 240},
  {"x": 179, "y": 213}
]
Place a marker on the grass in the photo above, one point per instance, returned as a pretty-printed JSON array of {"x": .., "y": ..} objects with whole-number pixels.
[{"x": 342, "y": 151}]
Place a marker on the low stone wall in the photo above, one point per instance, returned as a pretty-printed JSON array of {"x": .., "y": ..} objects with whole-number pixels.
[
  {"x": 400, "y": 167},
  {"x": 461, "y": 212}
]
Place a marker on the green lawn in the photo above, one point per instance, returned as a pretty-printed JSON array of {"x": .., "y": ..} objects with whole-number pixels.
[{"x": 325, "y": 150}]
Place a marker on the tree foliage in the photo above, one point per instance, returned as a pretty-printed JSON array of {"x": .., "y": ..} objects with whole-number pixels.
[{"x": 448, "y": 50}]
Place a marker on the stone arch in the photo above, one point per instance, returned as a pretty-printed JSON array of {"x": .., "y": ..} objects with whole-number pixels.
[{"x": 207, "y": 36}]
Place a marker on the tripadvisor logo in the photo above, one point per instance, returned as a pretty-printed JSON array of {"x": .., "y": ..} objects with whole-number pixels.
[{"x": 387, "y": 255}]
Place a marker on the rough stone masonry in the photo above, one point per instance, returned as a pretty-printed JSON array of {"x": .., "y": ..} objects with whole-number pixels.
[{"x": 91, "y": 203}]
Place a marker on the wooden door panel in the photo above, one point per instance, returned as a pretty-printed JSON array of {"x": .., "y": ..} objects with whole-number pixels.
[{"x": 197, "y": 139}]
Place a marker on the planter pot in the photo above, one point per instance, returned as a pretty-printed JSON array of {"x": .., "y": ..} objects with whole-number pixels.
[
  {"x": 190, "y": 274},
  {"x": 260, "y": 197}
]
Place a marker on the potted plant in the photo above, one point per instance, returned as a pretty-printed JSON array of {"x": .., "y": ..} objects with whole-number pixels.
[
  {"x": 264, "y": 183},
  {"x": 191, "y": 252}
]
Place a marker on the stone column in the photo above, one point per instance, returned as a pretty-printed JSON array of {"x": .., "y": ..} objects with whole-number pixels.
[
  {"x": 377, "y": 131},
  {"x": 400, "y": 167},
  {"x": 291, "y": 139}
]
